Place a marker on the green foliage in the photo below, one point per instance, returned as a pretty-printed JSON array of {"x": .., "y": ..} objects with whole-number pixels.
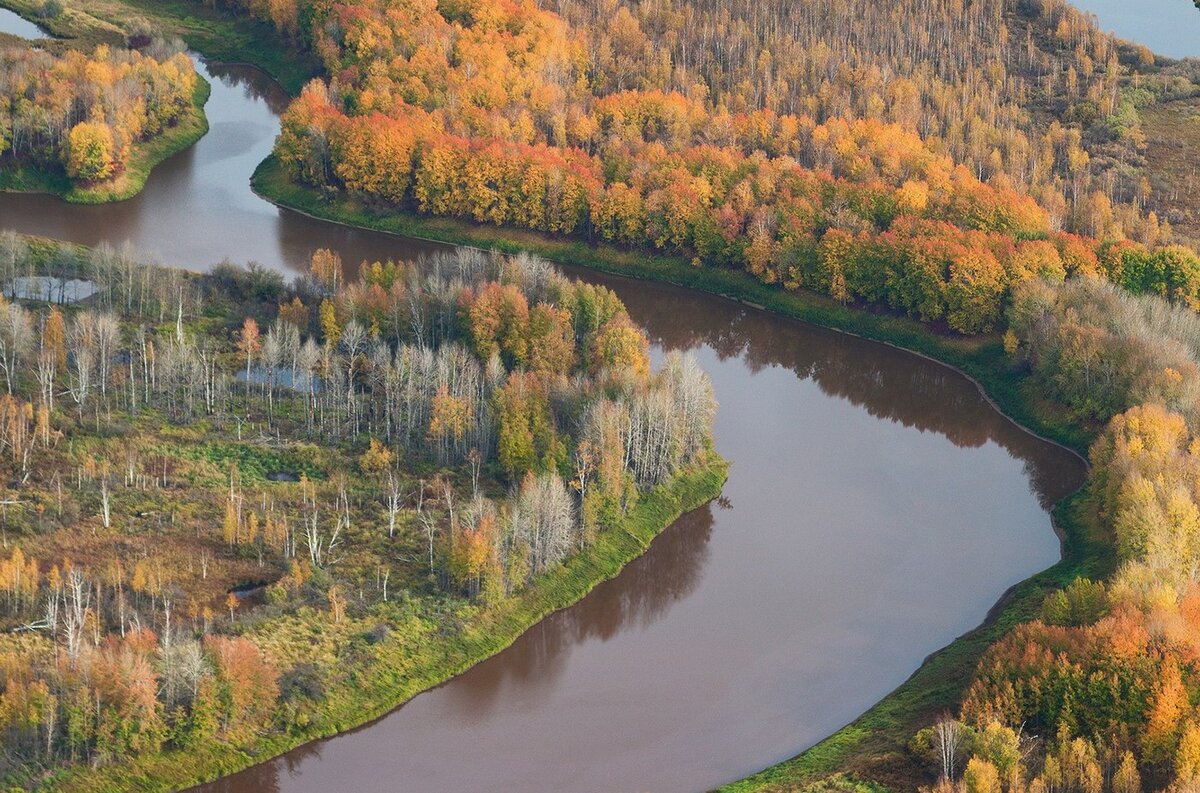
[
  {"x": 1082, "y": 603},
  {"x": 253, "y": 462}
]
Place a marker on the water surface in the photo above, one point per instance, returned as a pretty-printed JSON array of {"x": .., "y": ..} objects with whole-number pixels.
[
  {"x": 197, "y": 207},
  {"x": 1168, "y": 27},
  {"x": 18, "y": 26},
  {"x": 876, "y": 508}
]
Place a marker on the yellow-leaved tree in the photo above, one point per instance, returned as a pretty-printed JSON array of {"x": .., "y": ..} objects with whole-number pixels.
[{"x": 90, "y": 152}]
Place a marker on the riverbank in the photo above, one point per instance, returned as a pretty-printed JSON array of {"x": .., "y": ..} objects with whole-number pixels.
[
  {"x": 399, "y": 669},
  {"x": 981, "y": 358},
  {"x": 143, "y": 158},
  {"x": 204, "y": 29},
  {"x": 873, "y": 746}
]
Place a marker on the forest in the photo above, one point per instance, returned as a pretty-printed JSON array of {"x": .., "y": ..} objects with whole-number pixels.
[
  {"x": 231, "y": 500},
  {"x": 925, "y": 193},
  {"x": 1094, "y": 694},
  {"x": 85, "y": 116}
]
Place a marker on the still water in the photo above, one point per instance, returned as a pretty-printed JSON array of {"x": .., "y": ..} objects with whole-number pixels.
[
  {"x": 1168, "y": 27},
  {"x": 876, "y": 508},
  {"x": 19, "y": 26}
]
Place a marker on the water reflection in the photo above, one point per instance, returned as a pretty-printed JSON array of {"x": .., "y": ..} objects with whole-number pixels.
[
  {"x": 251, "y": 81},
  {"x": 887, "y": 383}
]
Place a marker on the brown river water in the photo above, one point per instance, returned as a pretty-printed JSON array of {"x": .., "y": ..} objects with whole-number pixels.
[{"x": 877, "y": 506}]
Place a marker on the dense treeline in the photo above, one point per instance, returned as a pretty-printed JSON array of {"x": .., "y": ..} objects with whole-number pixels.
[
  {"x": 82, "y": 113},
  {"x": 451, "y": 431},
  {"x": 972, "y": 78},
  {"x": 1097, "y": 694},
  {"x": 1102, "y": 351}
]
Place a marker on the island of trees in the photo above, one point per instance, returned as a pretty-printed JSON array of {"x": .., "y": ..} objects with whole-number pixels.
[
  {"x": 90, "y": 126},
  {"x": 237, "y": 510}
]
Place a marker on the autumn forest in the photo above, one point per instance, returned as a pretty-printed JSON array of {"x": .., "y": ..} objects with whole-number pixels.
[{"x": 244, "y": 510}]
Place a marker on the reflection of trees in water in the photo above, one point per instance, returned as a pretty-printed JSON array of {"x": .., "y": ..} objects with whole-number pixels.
[
  {"x": 889, "y": 384},
  {"x": 650, "y": 585},
  {"x": 300, "y": 235},
  {"x": 256, "y": 85},
  {"x": 644, "y": 592}
]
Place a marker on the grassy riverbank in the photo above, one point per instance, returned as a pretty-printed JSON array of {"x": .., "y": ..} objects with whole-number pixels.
[
  {"x": 414, "y": 658},
  {"x": 143, "y": 158},
  {"x": 873, "y": 746}
]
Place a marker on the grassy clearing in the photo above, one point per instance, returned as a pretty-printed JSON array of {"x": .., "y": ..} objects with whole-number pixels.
[{"x": 416, "y": 655}]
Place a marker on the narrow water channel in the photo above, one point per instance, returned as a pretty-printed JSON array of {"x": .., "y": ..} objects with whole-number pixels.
[{"x": 876, "y": 508}]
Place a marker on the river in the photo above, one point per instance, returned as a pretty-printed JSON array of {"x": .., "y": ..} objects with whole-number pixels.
[{"x": 877, "y": 506}]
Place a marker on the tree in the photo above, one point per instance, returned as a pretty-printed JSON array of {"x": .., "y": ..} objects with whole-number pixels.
[
  {"x": 620, "y": 346},
  {"x": 949, "y": 737},
  {"x": 90, "y": 152},
  {"x": 551, "y": 340},
  {"x": 16, "y": 339},
  {"x": 1187, "y": 756},
  {"x": 1126, "y": 779},
  {"x": 331, "y": 329},
  {"x": 376, "y": 458},
  {"x": 981, "y": 777},
  {"x": 326, "y": 268},
  {"x": 1169, "y": 704},
  {"x": 249, "y": 343},
  {"x": 498, "y": 319},
  {"x": 544, "y": 520},
  {"x": 246, "y": 683},
  {"x": 53, "y": 354},
  {"x": 974, "y": 292},
  {"x": 337, "y": 603}
]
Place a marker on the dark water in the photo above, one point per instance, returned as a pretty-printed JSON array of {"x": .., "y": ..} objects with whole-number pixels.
[
  {"x": 17, "y": 26},
  {"x": 876, "y": 508},
  {"x": 1168, "y": 27},
  {"x": 198, "y": 207}
]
